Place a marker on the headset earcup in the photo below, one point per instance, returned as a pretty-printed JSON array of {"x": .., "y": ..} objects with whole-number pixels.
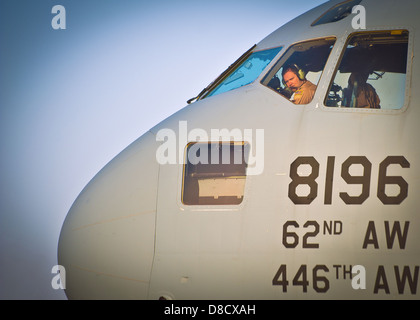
[{"x": 301, "y": 74}]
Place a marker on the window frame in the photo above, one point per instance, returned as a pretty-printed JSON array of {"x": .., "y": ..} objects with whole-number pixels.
[
  {"x": 265, "y": 79},
  {"x": 336, "y": 64}
]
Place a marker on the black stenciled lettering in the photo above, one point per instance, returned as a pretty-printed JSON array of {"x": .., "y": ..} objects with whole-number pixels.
[
  {"x": 288, "y": 234},
  {"x": 280, "y": 278},
  {"x": 364, "y": 180},
  {"x": 317, "y": 279},
  {"x": 310, "y": 234},
  {"x": 291, "y": 238},
  {"x": 303, "y": 180},
  {"x": 383, "y": 180},
  {"x": 301, "y": 278},
  {"x": 371, "y": 236},
  {"x": 320, "y": 282},
  {"x": 329, "y": 180},
  {"x": 396, "y": 230},
  {"x": 407, "y": 277},
  {"x": 381, "y": 282}
]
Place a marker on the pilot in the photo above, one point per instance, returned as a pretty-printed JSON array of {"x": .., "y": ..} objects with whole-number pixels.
[
  {"x": 302, "y": 89},
  {"x": 360, "y": 94}
]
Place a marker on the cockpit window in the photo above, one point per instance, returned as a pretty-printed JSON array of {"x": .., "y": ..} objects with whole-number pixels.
[
  {"x": 295, "y": 76},
  {"x": 372, "y": 71},
  {"x": 337, "y": 12},
  {"x": 245, "y": 72},
  {"x": 215, "y": 173}
]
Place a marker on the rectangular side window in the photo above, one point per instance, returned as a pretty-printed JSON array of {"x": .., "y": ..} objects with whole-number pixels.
[
  {"x": 215, "y": 173},
  {"x": 372, "y": 72}
]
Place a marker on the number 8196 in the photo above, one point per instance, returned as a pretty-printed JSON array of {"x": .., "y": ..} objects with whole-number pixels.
[{"x": 364, "y": 180}]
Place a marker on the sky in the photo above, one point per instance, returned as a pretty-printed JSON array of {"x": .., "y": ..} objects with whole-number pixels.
[{"x": 72, "y": 99}]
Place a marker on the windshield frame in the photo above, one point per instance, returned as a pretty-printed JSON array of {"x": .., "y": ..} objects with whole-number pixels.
[{"x": 203, "y": 94}]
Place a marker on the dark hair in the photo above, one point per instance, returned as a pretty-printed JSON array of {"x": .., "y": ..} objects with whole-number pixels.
[{"x": 295, "y": 69}]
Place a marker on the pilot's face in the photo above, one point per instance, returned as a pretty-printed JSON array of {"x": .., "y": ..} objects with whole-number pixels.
[{"x": 292, "y": 80}]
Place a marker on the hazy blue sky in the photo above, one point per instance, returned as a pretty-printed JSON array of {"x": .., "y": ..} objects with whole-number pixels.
[{"x": 70, "y": 100}]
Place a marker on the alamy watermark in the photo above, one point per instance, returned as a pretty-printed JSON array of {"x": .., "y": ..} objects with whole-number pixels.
[
  {"x": 359, "y": 20},
  {"x": 59, "y": 20},
  {"x": 173, "y": 147},
  {"x": 358, "y": 281},
  {"x": 59, "y": 280}
]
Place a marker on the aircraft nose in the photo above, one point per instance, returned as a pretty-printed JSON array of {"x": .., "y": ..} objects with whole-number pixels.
[{"x": 107, "y": 240}]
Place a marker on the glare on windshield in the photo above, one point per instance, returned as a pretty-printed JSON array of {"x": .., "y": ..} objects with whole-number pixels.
[{"x": 246, "y": 72}]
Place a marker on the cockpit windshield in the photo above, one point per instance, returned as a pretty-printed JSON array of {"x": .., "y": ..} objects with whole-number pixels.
[
  {"x": 246, "y": 72},
  {"x": 243, "y": 72}
]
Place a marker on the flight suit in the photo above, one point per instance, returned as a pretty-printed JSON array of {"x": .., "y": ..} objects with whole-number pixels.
[{"x": 304, "y": 94}]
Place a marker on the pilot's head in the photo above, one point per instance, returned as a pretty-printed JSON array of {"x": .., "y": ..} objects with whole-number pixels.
[
  {"x": 358, "y": 78},
  {"x": 293, "y": 77}
]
